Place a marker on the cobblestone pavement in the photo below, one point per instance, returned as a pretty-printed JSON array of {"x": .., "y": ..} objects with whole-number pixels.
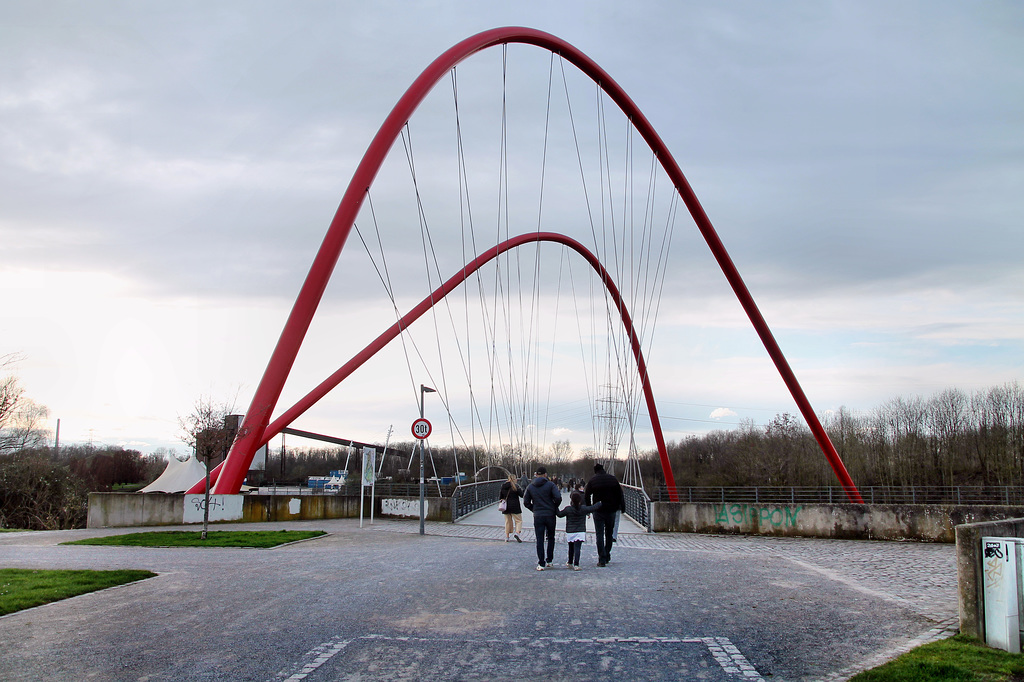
[
  {"x": 918, "y": 576},
  {"x": 383, "y": 603}
]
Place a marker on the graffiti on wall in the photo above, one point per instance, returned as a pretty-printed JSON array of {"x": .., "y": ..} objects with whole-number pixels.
[
  {"x": 393, "y": 507},
  {"x": 778, "y": 516},
  {"x": 222, "y": 508}
]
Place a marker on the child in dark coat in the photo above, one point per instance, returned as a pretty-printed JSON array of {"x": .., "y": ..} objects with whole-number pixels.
[{"x": 576, "y": 527}]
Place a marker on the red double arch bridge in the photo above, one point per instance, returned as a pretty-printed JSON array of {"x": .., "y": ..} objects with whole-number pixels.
[{"x": 257, "y": 429}]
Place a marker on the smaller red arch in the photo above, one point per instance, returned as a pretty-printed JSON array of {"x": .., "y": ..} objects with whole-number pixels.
[{"x": 235, "y": 463}]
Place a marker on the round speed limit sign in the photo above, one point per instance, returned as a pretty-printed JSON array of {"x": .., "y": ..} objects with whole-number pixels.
[{"x": 421, "y": 428}]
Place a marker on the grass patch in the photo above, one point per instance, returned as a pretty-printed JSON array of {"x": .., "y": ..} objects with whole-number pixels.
[
  {"x": 259, "y": 539},
  {"x": 24, "y": 588},
  {"x": 13, "y": 530},
  {"x": 957, "y": 659}
]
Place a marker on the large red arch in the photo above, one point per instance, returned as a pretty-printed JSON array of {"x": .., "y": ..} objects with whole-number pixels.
[{"x": 257, "y": 417}]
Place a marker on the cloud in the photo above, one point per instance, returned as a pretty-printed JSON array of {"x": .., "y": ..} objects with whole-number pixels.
[{"x": 861, "y": 168}]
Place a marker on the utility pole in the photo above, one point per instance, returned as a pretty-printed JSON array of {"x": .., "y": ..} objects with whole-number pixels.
[
  {"x": 386, "y": 441},
  {"x": 611, "y": 415},
  {"x": 282, "y": 456}
]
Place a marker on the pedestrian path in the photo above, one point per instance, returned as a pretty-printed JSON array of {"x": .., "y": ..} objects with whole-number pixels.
[
  {"x": 670, "y": 606},
  {"x": 491, "y": 517},
  {"x": 920, "y": 577}
]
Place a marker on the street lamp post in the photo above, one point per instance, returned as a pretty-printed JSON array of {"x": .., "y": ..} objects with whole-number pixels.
[{"x": 423, "y": 491}]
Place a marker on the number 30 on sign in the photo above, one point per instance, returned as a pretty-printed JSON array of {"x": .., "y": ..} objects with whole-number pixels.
[{"x": 421, "y": 428}]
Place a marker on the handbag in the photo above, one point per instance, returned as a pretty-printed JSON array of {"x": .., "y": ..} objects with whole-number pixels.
[{"x": 503, "y": 505}]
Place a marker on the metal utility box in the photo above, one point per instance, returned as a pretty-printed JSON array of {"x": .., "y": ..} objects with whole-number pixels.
[{"x": 1003, "y": 591}]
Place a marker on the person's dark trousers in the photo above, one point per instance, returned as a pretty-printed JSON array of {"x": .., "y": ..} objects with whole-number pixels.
[
  {"x": 604, "y": 524},
  {"x": 544, "y": 526},
  {"x": 575, "y": 549}
]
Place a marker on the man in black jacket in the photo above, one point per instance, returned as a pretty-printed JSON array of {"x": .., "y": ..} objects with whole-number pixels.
[
  {"x": 604, "y": 488},
  {"x": 542, "y": 497}
]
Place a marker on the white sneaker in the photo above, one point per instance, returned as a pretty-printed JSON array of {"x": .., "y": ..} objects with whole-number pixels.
[{"x": 540, "y": 568}]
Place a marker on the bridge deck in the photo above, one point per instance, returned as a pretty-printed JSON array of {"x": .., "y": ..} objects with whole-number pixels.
[{"x": 490, "y": 516}]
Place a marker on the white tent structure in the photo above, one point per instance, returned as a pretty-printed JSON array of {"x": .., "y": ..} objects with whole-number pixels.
[{"x": 178, "y": 477}]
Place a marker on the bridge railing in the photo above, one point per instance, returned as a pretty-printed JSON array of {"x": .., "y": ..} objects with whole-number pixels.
[
  {"x": 964, "y": 494},
  {"x": 469, "y": 497},
  {"x": 382, "y": 489},
  {"x": 638, "y": 505}
]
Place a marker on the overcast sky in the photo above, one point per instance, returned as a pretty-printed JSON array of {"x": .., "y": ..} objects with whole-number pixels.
[{"x": 168, "y": 170}]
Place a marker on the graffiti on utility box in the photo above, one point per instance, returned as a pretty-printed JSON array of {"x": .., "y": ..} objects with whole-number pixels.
[{"x": 776, "y": 516}]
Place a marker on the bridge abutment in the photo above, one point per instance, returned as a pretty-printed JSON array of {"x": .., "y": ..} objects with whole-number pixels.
[{"x": 918, "y": 522}]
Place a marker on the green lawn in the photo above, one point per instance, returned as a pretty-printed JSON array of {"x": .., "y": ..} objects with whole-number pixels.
[
  {"x": 260, "y": 539},
  {"x": 957, "y": 659},
  {"x": 24, "y": 588}
]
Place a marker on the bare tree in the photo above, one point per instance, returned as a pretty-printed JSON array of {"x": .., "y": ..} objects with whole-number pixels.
[
  {"x": 11, "y": 395},
  {"x": 207, "y": 432},
  {"x": 559, "y": 454},
  {"x": 21, "y": 418},
  {"x": 947, "y": 424}
]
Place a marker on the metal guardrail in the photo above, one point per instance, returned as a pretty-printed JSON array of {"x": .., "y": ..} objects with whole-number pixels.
[
  {"x": 638, "y": 506},
  {"x": 469, "y": 497},
  {"x": 963, "y": 495},
  {"x": 381, "y": 490}
]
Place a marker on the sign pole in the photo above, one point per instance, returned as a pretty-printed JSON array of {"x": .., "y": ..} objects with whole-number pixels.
[
  {"x": 421, "y": 429},
  {"x": 373, "y": 488},
  {"x": 423, "y": 502},
  {"x": 368, "y": 479}
]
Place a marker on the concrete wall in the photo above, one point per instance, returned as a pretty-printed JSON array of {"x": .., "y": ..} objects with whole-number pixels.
[
  {"x": 118, "y": 510},
  {"x": 927, "y": 523},
  {"x": 300, "y": 507},
  {"x": 969, "y": 569},
  {"x": 112, "y": 510}
]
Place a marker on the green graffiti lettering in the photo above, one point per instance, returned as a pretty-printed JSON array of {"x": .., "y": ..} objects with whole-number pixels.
[{"x": 738, "y": 514}]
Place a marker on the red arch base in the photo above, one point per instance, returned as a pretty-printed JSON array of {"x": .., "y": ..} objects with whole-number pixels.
[{"x": 268, "y": 392}]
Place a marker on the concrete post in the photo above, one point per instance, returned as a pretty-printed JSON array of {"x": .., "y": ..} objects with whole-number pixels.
[{"x": 969, "y": 569}]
